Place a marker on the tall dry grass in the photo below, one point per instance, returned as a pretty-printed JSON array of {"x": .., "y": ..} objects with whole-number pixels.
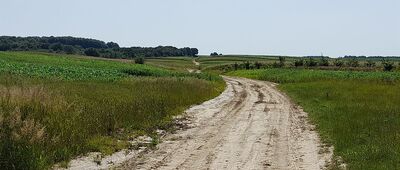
[{"x": 47, "y": 121}]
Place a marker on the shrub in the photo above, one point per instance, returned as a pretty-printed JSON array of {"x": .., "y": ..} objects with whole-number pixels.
[
  {"x": 276, "y": 65},
  {"x": 338, "y": 62},
  {"x": 299, "y": 62},
  {"x": 353, "y": 63},
  {"x": 139, "y": 60},
  {"x": 387, "y": 66},
  {"x": 257, "y": 65},
  {"x": 324, "y": 62},
  {"x": 370, "y": 63},
  {"x": 282, "y": 61},
  {"x": 247, "y": 65},
  {"x": 311, "y": 62},
  {"x": 92, "y": 52},
  {"x": 235, "y": 66}
]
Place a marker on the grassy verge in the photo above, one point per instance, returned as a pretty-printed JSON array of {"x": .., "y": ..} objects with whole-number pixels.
[
  {"x": 55, "y": 107},
  {"x": 357, "y": 112}
]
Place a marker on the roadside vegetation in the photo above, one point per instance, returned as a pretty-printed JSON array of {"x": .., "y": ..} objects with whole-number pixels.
[
  {"x": 358, "y": 112},
  {"x": 54, "y": 107}
]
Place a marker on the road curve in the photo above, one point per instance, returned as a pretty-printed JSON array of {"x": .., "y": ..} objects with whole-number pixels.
[{"x": 251, "y": 125}]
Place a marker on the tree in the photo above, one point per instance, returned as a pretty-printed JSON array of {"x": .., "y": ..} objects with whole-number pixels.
[
  {"x": 80, "y": 45},
  {"x": 282, "y": 61},
  {"x": 56, "y": 47},
  {"x": 92, "y": 52},
  {"x": 214, "y": 54},
  {"x": 194, "y": 52},
  {"x": 112, "y": 45},
  {"x": 69, "y": 49}
]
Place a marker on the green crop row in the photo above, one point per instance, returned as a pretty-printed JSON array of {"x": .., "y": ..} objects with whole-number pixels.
[{"x": 78, "y": 68}]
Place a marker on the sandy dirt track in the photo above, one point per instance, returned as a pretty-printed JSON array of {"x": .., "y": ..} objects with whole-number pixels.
[{"x": 251, "y": 125}]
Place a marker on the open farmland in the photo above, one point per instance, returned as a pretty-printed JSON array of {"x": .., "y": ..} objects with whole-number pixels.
[
  {"x": 211, "y": 63},
  {"x": 74, "y": 105},
  {"x": 65, "y": 67},
  {"x": 200, "y": 85},
  {"x": 55, "y": 107},
  {"x": 173, "y": 63},
  {"x": 356, "y": 112}
]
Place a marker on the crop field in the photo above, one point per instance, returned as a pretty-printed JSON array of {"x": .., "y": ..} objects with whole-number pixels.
[
  {"x": 55, "y": 107},
  {"x": 172, "y": 63},
  {"x": 207, "y": 63},
  {"x": 77, "y": 68},
  {"x": 356, "y": 112}
]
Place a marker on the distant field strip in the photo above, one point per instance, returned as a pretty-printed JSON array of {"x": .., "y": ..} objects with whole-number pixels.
[{"x": 306, "y": 75}]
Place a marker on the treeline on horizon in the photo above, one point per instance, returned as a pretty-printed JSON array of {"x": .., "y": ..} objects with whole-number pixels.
[
  {"x": 370, "y": 57},
  {"x": 89, "y": 47}
]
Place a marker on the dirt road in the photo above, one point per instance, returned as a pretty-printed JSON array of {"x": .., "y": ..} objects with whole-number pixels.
[
  {"x": 250, "y": 126},
  {"x": 195, "y": 62}
]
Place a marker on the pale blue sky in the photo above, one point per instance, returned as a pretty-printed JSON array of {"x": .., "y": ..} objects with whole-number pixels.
[{"x": 286, "y": 27}]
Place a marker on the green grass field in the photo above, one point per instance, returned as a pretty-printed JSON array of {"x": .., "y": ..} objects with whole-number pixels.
[
  {"x": 55, "y": 107},
  {"x": 357, "y": 112}
]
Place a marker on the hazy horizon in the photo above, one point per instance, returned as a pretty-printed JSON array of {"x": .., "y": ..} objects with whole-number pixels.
[{"x": 255, "y": 27}]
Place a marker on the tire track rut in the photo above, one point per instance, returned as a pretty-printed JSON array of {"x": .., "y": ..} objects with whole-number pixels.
[{"x": 251, "y": 125}]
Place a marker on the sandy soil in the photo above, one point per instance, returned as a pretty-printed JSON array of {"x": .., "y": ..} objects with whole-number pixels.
[{"x": 250, "y": 126}]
